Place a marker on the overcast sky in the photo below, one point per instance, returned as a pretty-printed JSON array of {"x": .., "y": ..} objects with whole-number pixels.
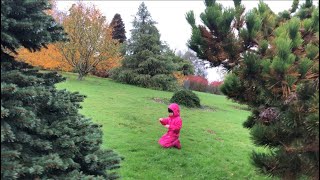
[{"x": 170, "y": 16}]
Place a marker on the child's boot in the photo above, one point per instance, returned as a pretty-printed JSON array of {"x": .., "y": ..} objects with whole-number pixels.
[{"x": 177, "y": 144}]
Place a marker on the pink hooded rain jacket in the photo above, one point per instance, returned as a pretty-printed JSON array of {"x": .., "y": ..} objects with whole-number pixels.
[{"x": 171, "y": 138}]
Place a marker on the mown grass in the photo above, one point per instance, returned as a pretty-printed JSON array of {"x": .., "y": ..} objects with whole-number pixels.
[{"x": 214, "y": 143}]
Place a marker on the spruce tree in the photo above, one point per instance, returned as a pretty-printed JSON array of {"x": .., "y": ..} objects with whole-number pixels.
[
  {"x": 274, "y": 68},
  {"x": 148, "y": 62},
  {"x": 118, "y": 28},
  {"x": 43, "y": 136}
]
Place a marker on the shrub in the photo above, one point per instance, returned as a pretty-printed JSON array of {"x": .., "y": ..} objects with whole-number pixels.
[
  {"x": 159, "y": 82},
  {"x": 142, "y": 80},
  {"x": 214, "y": 87},
  {"x": 186, "y": 98},
  {"x": 164, "y": 82},
  {"x": 123, "y": 76},
  {"x": 197, "y": 83},
  {"x": 101, "y": 73}
]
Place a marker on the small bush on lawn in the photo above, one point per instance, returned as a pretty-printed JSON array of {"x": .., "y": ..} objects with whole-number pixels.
[{"x": 186, "y": 98}]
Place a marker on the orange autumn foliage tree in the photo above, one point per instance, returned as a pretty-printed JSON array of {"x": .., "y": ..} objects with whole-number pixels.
[
  {"x": 90, "y": 39},
  {"x": 47, "y": 58},
  {"x": 51, "y": 58},
  {"x": 103, "y": 69}
]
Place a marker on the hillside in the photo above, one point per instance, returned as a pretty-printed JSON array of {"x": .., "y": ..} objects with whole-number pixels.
[{"x": 214, "y": 143}]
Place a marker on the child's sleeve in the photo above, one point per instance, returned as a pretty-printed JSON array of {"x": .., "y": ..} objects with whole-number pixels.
[
  {"x": 165, "y": 121},
  {"x": 176, "y": 125}
]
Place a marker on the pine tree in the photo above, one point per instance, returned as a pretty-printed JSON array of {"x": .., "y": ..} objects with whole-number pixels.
[
  {"x": 42, "y": 134},
  {"x": 215, "y": 41},
  {"x": 274, "y": 68},
  {"x": 118, "y": 28},
  {"x": 148, "y": 62}
]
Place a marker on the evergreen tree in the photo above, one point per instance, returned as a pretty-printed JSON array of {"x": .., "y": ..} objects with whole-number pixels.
[
  {"x": 148, "y": 62},
  {"x": 215, "y": 41},
  {"x": 274, "y": 68},
  {"x": 17, "y": 29},
  {"x": 42, "y": 134},
  {"x": 118, "y": 28}
]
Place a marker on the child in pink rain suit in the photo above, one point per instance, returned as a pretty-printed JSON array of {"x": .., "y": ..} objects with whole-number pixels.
[{"x": 174, "y": 124}]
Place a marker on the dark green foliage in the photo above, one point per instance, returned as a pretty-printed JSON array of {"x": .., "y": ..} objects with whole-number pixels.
[
  {"x": 312, "y": 51},
  {"x": 251, "y": 65},
  {"x": 149, "y": 63},
  {"x": 209, "y": 2},
  {"x": 307, "y": 24},
  {"x": 253, "y": 23},
  {"x": 275, "y": 73},
  {"x": 217, "y": 23},
  {"x": 232, "y": 86},
  {"x": 18, "y": 30},
  {"x": 306, "y": 9},
  {"x": 304, "y": 66},
  {"x": 216, "y": 41},
  {"x": 315, "y": 20},
  {"x": 266, "y": 20},
  {"x": 159, "y": 81},
  {"x": 163, "y": 82},
  {"x": 43, "y": 136},
  {"x": 285, "y": 15},
  {"x": 250, "y": 122},
  {"x": 42, "y": 133},
  {"x": 237, "y": 3},
  {"x": 186, "y": 98},
  {"x": 294, "y": 6},
  {"x": 180, "y": 64},
  {"x": 276, "y": 159},
  {"x": 263, "y": 47},
  {"x": 118, "y": 28}
]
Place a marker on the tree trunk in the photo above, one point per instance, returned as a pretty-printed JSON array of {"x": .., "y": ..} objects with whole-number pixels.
[{"x": 80, "y": 76}]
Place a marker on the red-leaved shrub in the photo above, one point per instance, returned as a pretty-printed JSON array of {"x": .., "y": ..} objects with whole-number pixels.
[
  {"x": 216, "y": 83},
  {"x": 196, "y": 83},
  {"x": 199, "y": 83},
  {"x": 214, "y": 87}
]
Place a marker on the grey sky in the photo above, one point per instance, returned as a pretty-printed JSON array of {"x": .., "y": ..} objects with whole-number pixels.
[{"x": 170, "y": 16}]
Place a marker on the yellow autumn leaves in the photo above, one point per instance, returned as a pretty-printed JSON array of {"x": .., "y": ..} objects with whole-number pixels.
[{"x": 89, "y": 47}]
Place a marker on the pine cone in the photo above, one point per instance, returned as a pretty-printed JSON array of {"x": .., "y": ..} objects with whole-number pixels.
[{"x": 269, "y": 114}]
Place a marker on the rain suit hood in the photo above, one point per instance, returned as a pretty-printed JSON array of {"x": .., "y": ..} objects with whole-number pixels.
[{"x": 175, "y": 108}]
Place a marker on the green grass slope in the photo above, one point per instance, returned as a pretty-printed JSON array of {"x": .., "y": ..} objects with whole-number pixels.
[{"x": 214, "y": 143}]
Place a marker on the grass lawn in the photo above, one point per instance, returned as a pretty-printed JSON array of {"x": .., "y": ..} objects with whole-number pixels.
[{"x": 214, "y": 143}]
